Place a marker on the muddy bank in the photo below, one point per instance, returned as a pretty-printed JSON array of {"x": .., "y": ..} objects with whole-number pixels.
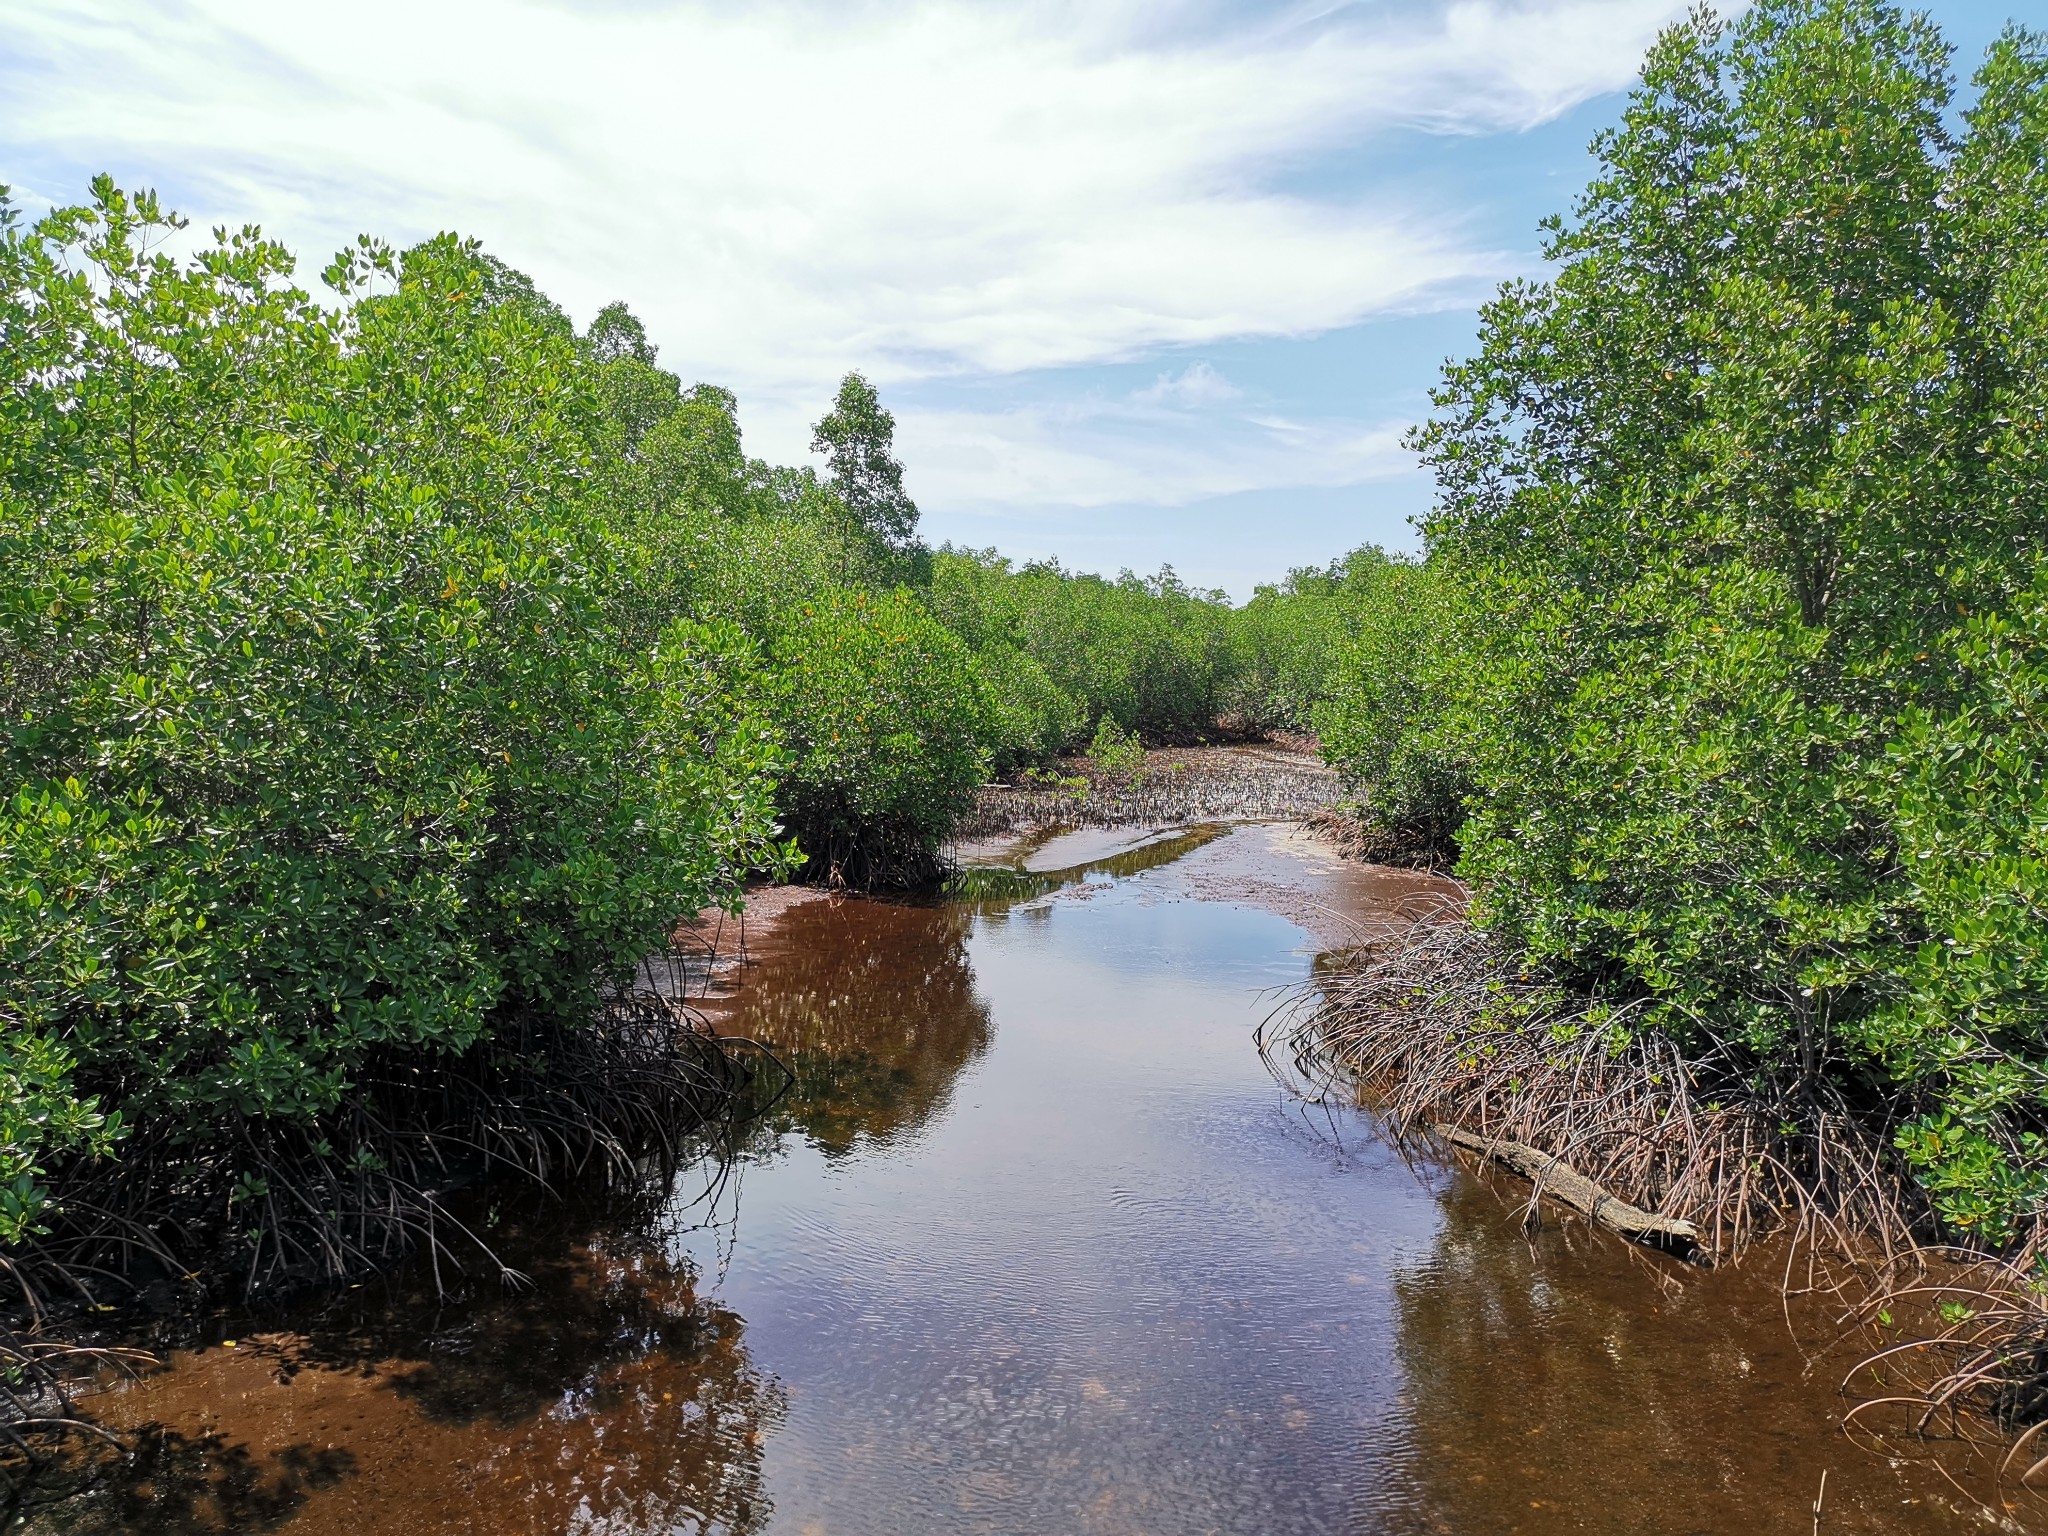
[
  {"x": 1279, "y": 867},
  {"x": 1177, "y": 785}
]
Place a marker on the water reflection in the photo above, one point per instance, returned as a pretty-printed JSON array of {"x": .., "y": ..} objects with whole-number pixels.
[
  {"x": 872, "y": 1006},
  {"x": 1096, "y": 1296},
  {"x": 995, "y": 876},
  {"x": 608, "y": 1395},
  {"x": 1571, "y": 1383},
  {"x": 1032, "y": 1244}
]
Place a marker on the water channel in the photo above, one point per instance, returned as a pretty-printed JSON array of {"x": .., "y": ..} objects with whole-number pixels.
[{"x": 1037, "y": 1243}]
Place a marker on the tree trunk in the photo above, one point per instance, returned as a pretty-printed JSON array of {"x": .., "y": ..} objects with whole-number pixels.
[{"x": 1562, "y": 1182}]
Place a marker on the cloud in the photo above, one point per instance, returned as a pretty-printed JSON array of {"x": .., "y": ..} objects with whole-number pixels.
[
  {"x": 1099, "y": 453},
  {"x": 779, "y": 187},
  {"x": 1196, "y": 385},
  {"x": 947, "y": 190}
]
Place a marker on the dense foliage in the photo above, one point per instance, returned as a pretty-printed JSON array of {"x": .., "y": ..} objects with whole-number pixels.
[
  {"x": 321, "y": 740},
  {"x": 886, "y": 723},
  {"x": 1069, "y": 650},
  {"x": 1739, "y": 527},
  {"x": 1381, "y": 680},
  {"x": 383, "y": 678},
  {"x": 1287, "y": 644}
]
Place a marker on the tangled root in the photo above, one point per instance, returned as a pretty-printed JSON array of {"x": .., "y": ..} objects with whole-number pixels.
[
  {"x": 268, "y": 1206},
  {"x": 1438, "y": 1025}
]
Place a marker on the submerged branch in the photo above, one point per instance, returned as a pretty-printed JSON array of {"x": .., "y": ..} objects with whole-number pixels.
[{"x": 1554, "y": 1177}]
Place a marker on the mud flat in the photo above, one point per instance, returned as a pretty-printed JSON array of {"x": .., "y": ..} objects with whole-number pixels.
[{"x": 1177, "y": 786}]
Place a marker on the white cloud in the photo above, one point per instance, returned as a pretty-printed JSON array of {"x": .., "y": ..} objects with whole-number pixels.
[
  {"x": 1119, "y": 453},
  {"x": 1198, "y": 384},
  {"x": 784, "y": 191}
]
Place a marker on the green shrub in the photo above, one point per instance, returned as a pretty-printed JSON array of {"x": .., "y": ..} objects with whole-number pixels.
[
  {"x": 1287, "y": 642},
  {"x": 1030, "y": 719},
  {"x": 885, "y": 722},
  {"x": 1386, "y": 719},
  {"x": 1964, "y": 1019},
  {"x": 319, "y": 740},
  {"x": 1116, "y": 751}
]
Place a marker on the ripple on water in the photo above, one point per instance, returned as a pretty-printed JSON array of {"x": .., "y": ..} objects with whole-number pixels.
[{"x": 1035, "y": 1244}]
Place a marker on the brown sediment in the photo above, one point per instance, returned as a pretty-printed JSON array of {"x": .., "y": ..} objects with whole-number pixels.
[
  {"x": 606, "y": 1389},
  {"x": 391, "y": 1175},
  {"x": 1958, "y": 1351},
  {"x": 1177, "y": 785}
]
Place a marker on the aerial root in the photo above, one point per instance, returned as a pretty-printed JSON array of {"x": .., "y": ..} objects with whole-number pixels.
[
  {"x": 1436, "y": 1026},
  {"x": 1443, "y": 1036},
  {"x": 618, "y": 1103}
]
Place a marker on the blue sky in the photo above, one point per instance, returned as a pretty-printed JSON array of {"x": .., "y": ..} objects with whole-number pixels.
[{"x": 1143, "y": 283}]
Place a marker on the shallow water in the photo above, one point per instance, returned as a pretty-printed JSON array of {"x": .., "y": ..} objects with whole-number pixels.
[{"x": 1035, "y": 1244}]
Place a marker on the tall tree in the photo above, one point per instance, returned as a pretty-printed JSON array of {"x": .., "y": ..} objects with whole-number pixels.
[
  {"x": 616, "y": 333},
  {"x": 857, "y": 437}
]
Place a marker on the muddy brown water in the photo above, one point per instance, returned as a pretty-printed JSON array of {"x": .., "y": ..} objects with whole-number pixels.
[{"x": 1035, "y": 1244}]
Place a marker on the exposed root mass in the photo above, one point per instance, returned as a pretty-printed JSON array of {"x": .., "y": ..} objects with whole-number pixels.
[
  {"x": 1358, "y": 836},
  {"x": 1438, "y": 1027},
  {"x": 1438, "y": 1031},
  {"x": 1961, "y": 1354}
]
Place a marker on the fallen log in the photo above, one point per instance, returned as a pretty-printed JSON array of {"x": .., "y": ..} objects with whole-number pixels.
[{"x": 1562, "y": 1182}]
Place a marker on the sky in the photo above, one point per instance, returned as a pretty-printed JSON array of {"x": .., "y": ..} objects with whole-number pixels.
[{"x": 1143, "y": 283}]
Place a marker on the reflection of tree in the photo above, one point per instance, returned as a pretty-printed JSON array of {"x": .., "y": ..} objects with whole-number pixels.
[
  {"x": 607, "y": 1395},
  {"x": 183, "y": 1484},
  {"x": 1568, "y": 1389},
  {"x": 872, "y": 1006}
]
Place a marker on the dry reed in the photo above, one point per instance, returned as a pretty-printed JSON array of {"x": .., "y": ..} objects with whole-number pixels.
[{"x": 1436, "y": 1024}]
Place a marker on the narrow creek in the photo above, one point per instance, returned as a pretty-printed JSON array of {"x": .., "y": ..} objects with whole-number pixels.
[{"x": 1036, "y": 1243}]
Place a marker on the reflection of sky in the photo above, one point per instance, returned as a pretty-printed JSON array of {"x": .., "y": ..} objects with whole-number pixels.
[
  {"x": 1144, "y": 283},
  {"x": 1120, "y": 1273}
]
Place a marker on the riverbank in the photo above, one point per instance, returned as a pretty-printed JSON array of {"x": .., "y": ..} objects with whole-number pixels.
[{"x": 1278, "y": 779}]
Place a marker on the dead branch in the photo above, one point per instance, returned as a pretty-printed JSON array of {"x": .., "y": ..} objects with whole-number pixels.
[{"x": 1559, "y": 1180}]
